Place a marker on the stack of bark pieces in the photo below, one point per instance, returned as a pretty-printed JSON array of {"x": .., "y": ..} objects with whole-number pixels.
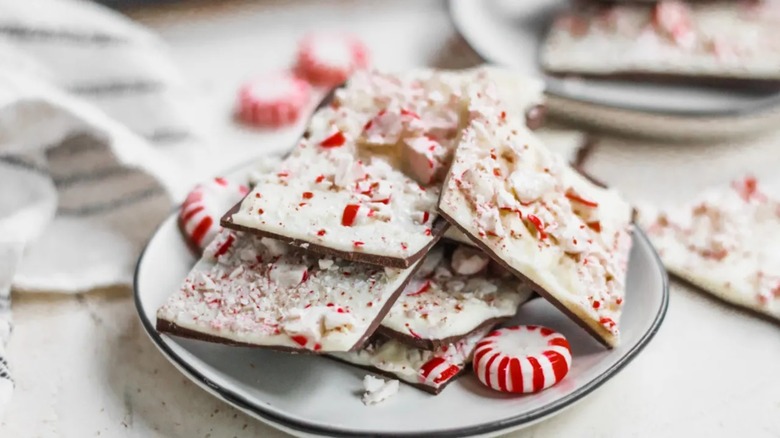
[{"x": 337, "y": 250}]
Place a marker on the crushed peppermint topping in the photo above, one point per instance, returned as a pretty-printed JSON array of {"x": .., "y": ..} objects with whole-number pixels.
[
  {"x": 693, "y": 39},
  {"x": 724, "y": 240},
  {"x": 434, "y": 368},
  {"x": 373, "y": 162},
  {"x": 262, "y": 292},
  {"x": 335, "y": 140},
  {"x": 541, "y": 218},
  {"x": 424, "y": 309}
]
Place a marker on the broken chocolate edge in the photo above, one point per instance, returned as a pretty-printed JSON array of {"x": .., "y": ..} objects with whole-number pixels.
[
  {"x": 171, "y": 328},
  {"x": 433, "y": 344},
  {"x": 766, "y": 84},
  {"x": 723, "y": 301},
  {"x": 437, "y": 230},
  {"x": 166, "y": 326},
  {"x": 422, "y": 387},
  {"x": 376, "y": 322},
  {"x": 537, "y": 288}
]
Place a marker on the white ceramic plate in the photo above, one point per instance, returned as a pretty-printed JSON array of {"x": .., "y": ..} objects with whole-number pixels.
[
  {"x": 510, "y": 33},
  {"x": 315, "y": 396}
]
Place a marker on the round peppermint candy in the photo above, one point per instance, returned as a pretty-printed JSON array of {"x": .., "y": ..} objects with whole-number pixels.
[
  {"x": 329, "y": 59},
  {"x": 204, "y": 206},
  {"x": 522, "y": 359},
  {"x": 273, "y": 101}
]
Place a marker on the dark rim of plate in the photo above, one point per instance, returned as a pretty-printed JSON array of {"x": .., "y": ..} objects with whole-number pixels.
[
  {"x": 242, "y": 403},
  {"x": 554, "y": 87}
]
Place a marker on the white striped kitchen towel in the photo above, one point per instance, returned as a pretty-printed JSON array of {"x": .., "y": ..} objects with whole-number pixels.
[{"x": 95, "y": 130}]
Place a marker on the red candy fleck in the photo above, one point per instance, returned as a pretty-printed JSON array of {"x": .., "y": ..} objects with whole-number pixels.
[
  {"x": 308, "y": 195},
  {"x": 607, "y": 322},
  {"x": 319, "y": 179},
  {"x": 321, "y": 232},
  {"x": 300, "y": 340},
  {"x": 317, "y": 347},
  {"x": 225, "y": 246},
  {"x": 258, "y": 195},
  {"x": 424, "y": 288},
  {"x": 748, "y": 189},
  {"x": 404, "y": 246},
  {"x": 336, "y": 140},
  {"x": 260, "y": 211},
  {"x": 538, "y": 225},
  {"x": 221, "y": 181},
  {"x": 596, "y": 304},
  {"x": 349, "y": 215},
  {"x": 716, "y": 255},
  {"x": 405, "y": 112},
  {"x": 428, "y": 232},
  {"x": 576, "y": 198},
  {"x": 414, "y": 335},
  {"x": 595, "y": 226},
  {"x": 497, "y": 171},
  {"x": 358, "y": 243},
  {"x": 426, "y": 215}
]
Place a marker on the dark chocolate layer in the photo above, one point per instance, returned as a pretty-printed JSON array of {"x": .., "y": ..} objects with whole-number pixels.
[
  {"x": 438, "y": 228},
  {"x": 537, "y": 288}
]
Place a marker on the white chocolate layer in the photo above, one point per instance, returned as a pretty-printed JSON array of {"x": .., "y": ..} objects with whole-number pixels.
[
  {"x": 369, "y": 174},
  {"x": 439, "y": 303},
  {"x": 540, "y": 217},
  {"x": 728, "y": 39},
  {"x": 726, "y": 241},
  {"x": 413, "y": 365},
  {"x": 261, "y": 292},
  {"x": 566, "y": 143}
]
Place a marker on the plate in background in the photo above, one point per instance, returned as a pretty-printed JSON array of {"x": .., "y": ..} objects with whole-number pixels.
[
  {"x": 307, "y": 395},
  {"x": 510, "y": 33}
]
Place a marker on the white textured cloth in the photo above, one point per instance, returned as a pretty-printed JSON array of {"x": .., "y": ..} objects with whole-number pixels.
[{"x": 95, "y": 134}]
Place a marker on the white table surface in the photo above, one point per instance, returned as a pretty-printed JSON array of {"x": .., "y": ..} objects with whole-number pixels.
[{"x": 84, "y": 367}]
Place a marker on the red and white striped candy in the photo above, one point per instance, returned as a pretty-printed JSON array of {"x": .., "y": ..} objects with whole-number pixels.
[
  {"x": 273, "y": 101},
  {"x": 329, "y": 59},
  {"x": 204, "y": 206},
  {"x": 522, "y": 359},
  {"x": 438, "y": 371}
]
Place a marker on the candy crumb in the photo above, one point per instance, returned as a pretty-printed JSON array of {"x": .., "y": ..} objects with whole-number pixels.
[{"x": 378, "y": 390}]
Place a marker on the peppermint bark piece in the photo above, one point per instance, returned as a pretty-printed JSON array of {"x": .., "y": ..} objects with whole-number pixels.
[
  {"x": 428, "y": 370},
  {"x": 453, "y": 294},
  {"x": 719, "y": 41},
  {"x": 363, "y": 183},
  {"x": 540, "y": 219},
  {"x": 725, "y": 242},
  {"x": 259, "y": 292},
  {"x": 572, "y": 145}
]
